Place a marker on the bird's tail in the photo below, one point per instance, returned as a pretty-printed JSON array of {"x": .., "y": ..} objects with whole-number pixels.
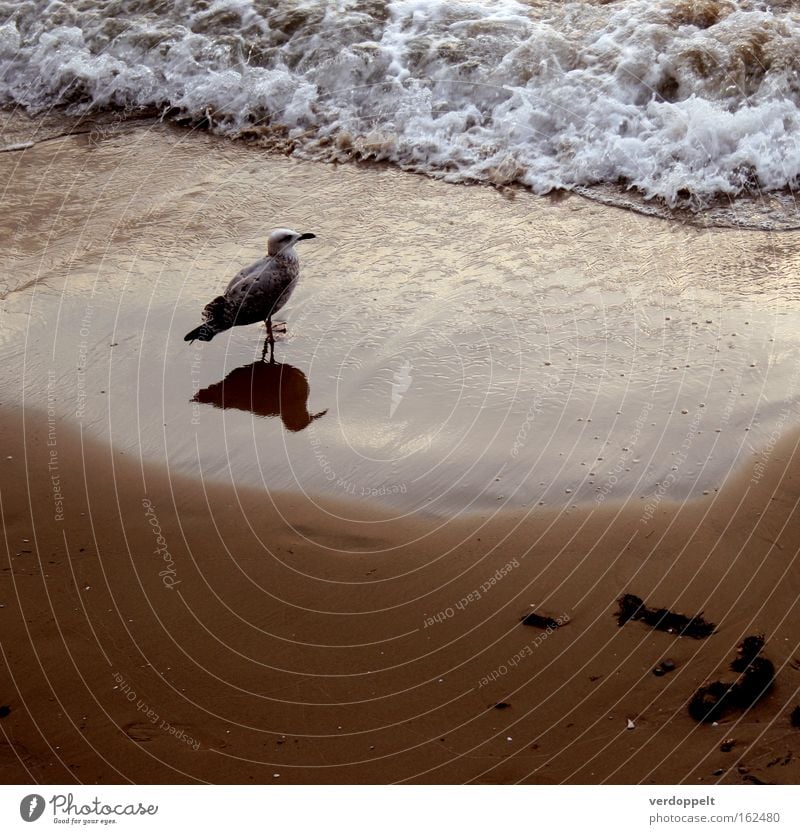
[{"x": 215, "y": 315}]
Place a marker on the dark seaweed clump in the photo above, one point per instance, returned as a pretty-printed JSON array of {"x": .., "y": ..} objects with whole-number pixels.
[
  {"x": 540, "y": 621},
  {"x": 756, "y": 676},
  {"x": 632, "y": 607}
]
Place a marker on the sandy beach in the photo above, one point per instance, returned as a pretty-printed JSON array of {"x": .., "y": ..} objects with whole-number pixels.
[
  {"x": 158, "y": 629},
  {"x": 487, "y": 403}
]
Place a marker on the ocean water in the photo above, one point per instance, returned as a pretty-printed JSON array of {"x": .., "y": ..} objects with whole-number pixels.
[{"x": 669, "y": 103}]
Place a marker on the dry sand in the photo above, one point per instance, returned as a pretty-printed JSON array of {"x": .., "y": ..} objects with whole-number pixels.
[
  {"x": 540, "y": 391},
  {"x": 287, "y": 638}
]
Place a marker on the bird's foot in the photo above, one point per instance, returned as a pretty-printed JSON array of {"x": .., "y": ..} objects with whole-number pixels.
[{"x": 278, "y": 329}]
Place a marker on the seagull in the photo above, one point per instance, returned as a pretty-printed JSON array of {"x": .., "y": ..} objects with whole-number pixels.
[{"x": 257, "y": 292}]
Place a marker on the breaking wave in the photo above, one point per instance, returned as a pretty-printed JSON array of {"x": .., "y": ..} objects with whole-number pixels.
[{"x": 677, "y": 102}]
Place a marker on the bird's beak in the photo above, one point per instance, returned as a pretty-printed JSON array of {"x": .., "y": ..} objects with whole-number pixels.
[{"x": 306, "y": 236}]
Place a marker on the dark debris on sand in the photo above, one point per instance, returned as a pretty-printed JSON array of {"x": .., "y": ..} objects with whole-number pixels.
[
  {"x": 756, "y": 676},
  {"x": 540, "y": 621},
  {"x": 795, "y": 717},
  {"x": 632, "y": 607},
  {"x": 664, "y": 667}
]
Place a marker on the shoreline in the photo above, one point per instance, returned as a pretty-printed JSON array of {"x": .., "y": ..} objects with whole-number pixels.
[{"x": 765, "y": 211}]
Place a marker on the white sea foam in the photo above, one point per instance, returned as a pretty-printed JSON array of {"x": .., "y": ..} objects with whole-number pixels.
[{"x": 683, "y": 100}]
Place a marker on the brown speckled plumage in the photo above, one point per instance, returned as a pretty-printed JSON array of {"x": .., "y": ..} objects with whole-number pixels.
[{"x": 257, "y": 292}]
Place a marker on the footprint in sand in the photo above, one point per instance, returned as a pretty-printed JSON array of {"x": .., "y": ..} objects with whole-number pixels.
[
  {"x": 141, "y": 731},
  {"x": 144, "y": 731}
]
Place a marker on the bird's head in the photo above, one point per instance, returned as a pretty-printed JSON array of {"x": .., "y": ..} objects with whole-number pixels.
[{"x": 282, "y": 239}]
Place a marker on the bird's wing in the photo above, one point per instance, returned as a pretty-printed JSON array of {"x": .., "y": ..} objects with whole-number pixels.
[
  {"x": 262, "y": 282},
  {"x": 249, "y": 273}
]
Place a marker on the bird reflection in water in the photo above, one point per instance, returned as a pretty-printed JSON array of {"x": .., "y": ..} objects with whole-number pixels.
[{"x": 267, "y": 388}]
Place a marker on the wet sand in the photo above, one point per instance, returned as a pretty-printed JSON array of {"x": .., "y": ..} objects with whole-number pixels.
[
  {"x": 467, "y": 350},
  {"x": 223, "y": 570}
]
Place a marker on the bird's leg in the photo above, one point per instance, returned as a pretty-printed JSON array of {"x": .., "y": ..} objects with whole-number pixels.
[
  {"x": 271, "y": 346},
  {"x": 269, "y": 342}
]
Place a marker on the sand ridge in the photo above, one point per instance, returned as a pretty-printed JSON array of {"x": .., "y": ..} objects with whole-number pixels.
[{"x": 324, "y": 644}]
